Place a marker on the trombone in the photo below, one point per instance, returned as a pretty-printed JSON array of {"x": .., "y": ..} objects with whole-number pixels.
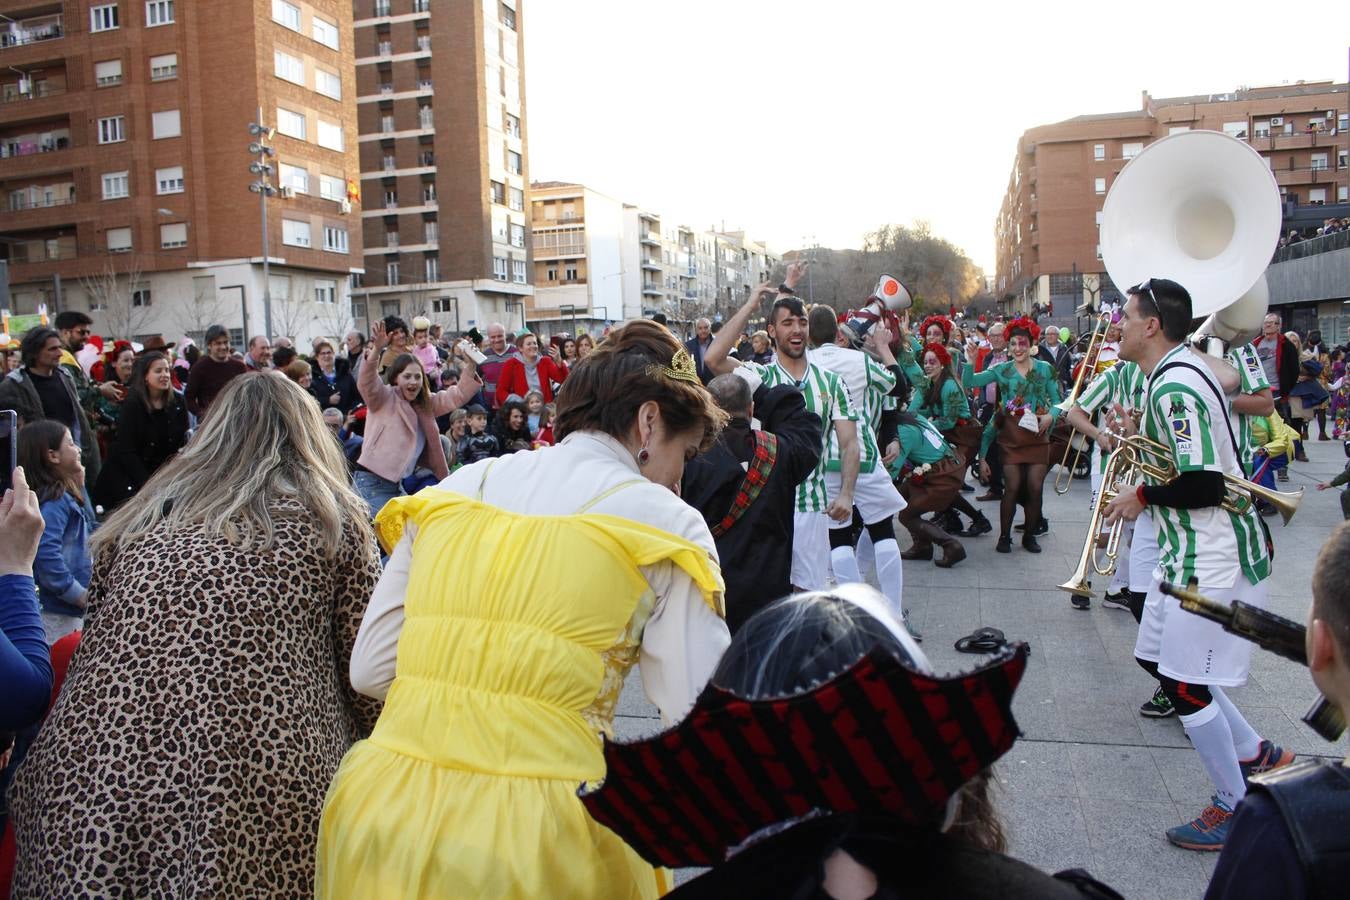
[
  {"x": 1073, "y": 449},
  {"x": 1137, "y": 456}
]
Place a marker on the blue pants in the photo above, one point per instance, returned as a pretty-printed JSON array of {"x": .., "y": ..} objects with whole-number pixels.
[
  {"x": 1265, "y": 467},
  {"x": 375, "y": 490}
]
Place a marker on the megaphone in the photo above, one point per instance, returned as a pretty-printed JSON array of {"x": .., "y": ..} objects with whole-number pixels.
[{"x": 889, "y": 296}]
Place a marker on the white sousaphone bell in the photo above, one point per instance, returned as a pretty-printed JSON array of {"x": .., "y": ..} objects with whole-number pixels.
[
  {"x": 1202, "y": 209},
  {"x": 888, "y": 296}
]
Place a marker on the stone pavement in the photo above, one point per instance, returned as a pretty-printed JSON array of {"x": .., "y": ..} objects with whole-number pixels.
[{"x": 1091, "y": 783}]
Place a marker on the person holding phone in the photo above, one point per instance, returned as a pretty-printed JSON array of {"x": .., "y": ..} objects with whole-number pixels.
[{"x": 25, "y": 665}]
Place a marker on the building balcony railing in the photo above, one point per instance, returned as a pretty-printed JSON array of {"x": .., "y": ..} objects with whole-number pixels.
[
  {"x": 32, "y": 31},
  {"x": 651, "y": 264},
  {"x": 26, "y": 145},
  {"x": 25, "y": 252},
  {"x": 1313, "y": 246},
  {"x": 42, "y": 92},
  {"x": 18, "y": 203},
  {"x": 651, "y": 237},
  {"x": 1297, "y": 141}
]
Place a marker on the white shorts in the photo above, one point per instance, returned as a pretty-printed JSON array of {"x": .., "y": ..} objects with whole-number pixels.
[
  {"x": 874, "y": 494},
  {"x": 1143, "y": 553},
  {"x": 1193, "y": 649},
  {"x": 810, "y": 550}
]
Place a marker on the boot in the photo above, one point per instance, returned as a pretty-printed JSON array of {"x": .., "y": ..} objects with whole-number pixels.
[
  {"x": 921, "y": 533},
  {"x": 952, "y": 551},
  {"x": 978, "y": 526}
]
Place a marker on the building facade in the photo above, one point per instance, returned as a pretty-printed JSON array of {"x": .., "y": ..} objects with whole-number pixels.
[
  {"x": 124, "y": 169},
  {"x": 1047, "y": 231},
  {"x": 444, "y": 161}
]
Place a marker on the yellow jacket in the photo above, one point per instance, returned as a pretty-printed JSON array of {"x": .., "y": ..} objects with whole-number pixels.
[{"x": 1272, "y": 435}]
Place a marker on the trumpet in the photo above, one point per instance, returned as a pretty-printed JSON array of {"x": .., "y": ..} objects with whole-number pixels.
[
  {"x": 1073, "y": 450},
  {"x": 1136, "y": 457}
]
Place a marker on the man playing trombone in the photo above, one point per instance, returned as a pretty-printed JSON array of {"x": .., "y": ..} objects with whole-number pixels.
[{"x": 1185, "y": 448}]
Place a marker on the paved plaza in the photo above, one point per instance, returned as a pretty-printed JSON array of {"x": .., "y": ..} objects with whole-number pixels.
[{"x": 1091, "y": 783}]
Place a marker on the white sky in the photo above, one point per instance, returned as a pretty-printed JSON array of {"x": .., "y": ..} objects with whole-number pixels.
[{"x": 794, "y": 118}]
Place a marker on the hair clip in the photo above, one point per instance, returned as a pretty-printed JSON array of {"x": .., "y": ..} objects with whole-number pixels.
[{"x": 681, "y": 368}]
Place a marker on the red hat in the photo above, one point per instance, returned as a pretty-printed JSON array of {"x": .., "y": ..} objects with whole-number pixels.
[{"x": 118, "y": 346}]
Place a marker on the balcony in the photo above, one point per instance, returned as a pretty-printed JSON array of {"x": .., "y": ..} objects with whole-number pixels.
[
  {"x": 39, "y": 250},
  {"x": 32, "y": 30},
  {"x": 652, "y": 288},
  {"x": 651, "y": 238},
  {"x": 651, "y": 265},
  {"x": 33, "y": 143},
  {"x": 1298, "y": 141}
]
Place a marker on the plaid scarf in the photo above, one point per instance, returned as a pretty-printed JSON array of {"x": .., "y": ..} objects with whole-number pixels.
[{"x": 766, "y": 453}]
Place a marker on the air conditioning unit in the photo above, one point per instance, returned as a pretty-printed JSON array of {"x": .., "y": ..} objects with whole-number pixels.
[
  {"x": 287, "y": 191},
  {"x": 1277, "y": 120},
  {"x": 345, "y": 206}
]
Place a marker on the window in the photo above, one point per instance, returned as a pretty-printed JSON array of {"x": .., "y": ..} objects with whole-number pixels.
[
  {"x": 324, "y": 32},
  {"x": 1317, "y": 195},
  {"x": 108, "y": 72},
  {"x": 1177, "y": 129},
  {"x": 424, "y": 117},
  {"x": 1099, "y": 251},
  {"x": 334, "y": 239},
  {"x": 1099, "y": 151},
  {"x": 387, "y": 123},
  {"x": 381, "y": 7},
  {"x": 429, "y": 193},
  {"x": 391, "y": 273},
  {"x": 165, "y": 124},
  {"x": 164, "y": 67},
  {"x": 1261, "y": 129},
  {"x": 294, "y": 177},
  {"x": 1342, "y": 194},
  {"x": 498, "y": 192},
  {"x": 430, "y": 232},
  {"x": 103, "y": 18},
  {"x": 330, "y": 135},
  {"x": 116, "y": 185},
  {"x": 287, "y": 14},
  {"x": 513, "y": 162},
  {"x": 1099, "y": 185},
  {"x": 552, "y": 273},
  {"x": 119, "y": 240},
  {"x": 517, "y": 235},
  {"x": 570, "y": 273},
  {"x": 1099, "y": 218},
  {"x": 443, "y": 304},
  {"x": 390, "y": 162},
  {"x": 508, "y": 17},
  {"x": 389, "y": 308},
  {"x": 173, "y": 236},
  {"x": 390, "y": 199},
  {"x": 325, "y": 290},
  {"x": 1130, "y": 151},
  {"x": 1235, "y": 129},
  {"x": 513, "y": 125},
  {"x": 169, "y": 181},
  {"x": 517, "y": 199},
  {"x": 291, "y": 68},
  {"x": 112, "y": 130},
  {"x": 1319, "y": 161},
  {"x": 294, "y": 233},
  {"x": 140, "y": 296},
  {"x": 499, "y": 268},
  {"x": 518, "y": 271},
  {"x": 158, "y": 12},
  {"x": 291, "y": 124},
  {"x": 331, "y": 188},
  {"x": 328, "y": 84},
  {"x": 433, "y": 269}
]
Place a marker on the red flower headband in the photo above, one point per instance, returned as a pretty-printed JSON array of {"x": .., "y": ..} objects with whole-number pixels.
[
  {"x": 1023, "y": 323},
  {"x": 939, "y": 351},
  {"x": 940, "y": 321}
]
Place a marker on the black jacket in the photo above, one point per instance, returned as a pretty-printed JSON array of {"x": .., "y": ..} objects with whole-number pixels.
[
  {"x": 145, "y": 440},
  {"x": 343, "y": 384},
  {"x": 697, "y": 353},
  {"x": 1063, "y": 365},
  {"x": 756, "y": 552}
]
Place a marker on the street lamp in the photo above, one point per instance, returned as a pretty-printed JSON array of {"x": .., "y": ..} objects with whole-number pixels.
[{"x": 263, "y": 188}]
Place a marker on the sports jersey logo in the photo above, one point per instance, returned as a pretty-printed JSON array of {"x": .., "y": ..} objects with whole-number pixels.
[{"x": 1181, "y": 423}]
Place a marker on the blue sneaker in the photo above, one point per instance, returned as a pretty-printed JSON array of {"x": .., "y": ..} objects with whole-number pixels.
[
  {"x": 1272, "y": 756},
  {"x": 1207, "y": 832}
]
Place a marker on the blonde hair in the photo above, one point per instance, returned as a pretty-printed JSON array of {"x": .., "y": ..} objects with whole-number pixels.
[{"x": 262, "y": 439}]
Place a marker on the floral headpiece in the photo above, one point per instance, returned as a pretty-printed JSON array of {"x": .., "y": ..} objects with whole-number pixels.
[
  {"x": 940, "y": 321},
  {"x": 939, "y": 351},
  {"x": 1023, "y": 323},
  {"x": 681, "y": 368}
]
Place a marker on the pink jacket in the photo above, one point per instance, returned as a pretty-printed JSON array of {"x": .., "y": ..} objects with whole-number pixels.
[{"x": 392, "y": 423}]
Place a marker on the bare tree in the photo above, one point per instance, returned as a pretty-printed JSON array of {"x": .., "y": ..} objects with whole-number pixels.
[
  {"x": 112, "y": 293},
  {"x": 292, "y": 306},
  {"x": 335, "y": 319},
  {"x": 206, "y": 308}
]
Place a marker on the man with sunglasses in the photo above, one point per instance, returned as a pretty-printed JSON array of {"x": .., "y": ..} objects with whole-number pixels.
[{"x": 1186, "y": 413}]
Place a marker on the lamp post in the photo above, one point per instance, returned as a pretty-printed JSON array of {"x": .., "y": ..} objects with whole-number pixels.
[{"x": 263, "y": 187}]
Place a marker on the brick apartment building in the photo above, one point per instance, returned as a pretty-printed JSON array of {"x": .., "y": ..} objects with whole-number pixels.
[
  {"x": 1047, "y": 229},
  {"x": 124, "y": 162},
  {"x": 444, "y": 168}
]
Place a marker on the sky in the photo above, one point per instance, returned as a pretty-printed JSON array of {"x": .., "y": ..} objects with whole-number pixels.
[{"x": 819, "y": 120}]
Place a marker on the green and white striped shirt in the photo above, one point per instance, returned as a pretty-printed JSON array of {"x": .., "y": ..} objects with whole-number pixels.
[
  {"x": 868, "y": 384},
  {"x": 1122, "y": 383},
  {"x": 1253, "y": 377},
  {"x": 825, "y": 396},
  {"x": 1211, "y": 544}
]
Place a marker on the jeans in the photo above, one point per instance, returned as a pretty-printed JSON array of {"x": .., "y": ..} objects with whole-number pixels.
[{"x": 375, "y": 490}]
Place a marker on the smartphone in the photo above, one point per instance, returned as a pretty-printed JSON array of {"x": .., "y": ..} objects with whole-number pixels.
[{"x": 9, "y": 446}]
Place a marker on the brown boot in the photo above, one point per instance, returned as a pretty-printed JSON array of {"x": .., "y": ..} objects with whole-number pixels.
[
  {"x": 952, "y": 550},
  {"x": 922, "y": 547}
]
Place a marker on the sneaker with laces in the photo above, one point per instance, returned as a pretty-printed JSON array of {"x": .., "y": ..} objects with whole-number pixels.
[
  {"x": 1272, "y": 756},
  {"x": 1207, "y": 831},
  {"x": 1080, "y": 601},
  {"x": 1157, "y": 706},
  {"x": 1119, "y": 600}
]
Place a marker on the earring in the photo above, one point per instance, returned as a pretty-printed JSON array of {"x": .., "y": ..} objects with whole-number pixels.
[{"x": 643, "y": 456}]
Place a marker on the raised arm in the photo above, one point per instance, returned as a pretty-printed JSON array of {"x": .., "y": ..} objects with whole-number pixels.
[{"x": 716, "y": 358}]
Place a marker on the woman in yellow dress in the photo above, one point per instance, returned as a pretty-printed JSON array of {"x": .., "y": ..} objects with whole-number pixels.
[{"x": 499, "y": 677}]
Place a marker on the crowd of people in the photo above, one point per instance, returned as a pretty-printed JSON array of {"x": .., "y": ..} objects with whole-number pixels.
[
  {"x": 363, "y": 689},
  {"x": 1328, "y": 226}
]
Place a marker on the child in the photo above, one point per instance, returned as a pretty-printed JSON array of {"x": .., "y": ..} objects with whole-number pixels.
[
  {"x": 545, "y": 436},
  {"x": 51, "y": 461},
  {"x": 459, "y": 424},
  {"x": 1339, "y": 480},
  {"x": 1275, "y": 442},
  {"x": 534, "y": 408},
  {"x": 1340, "y": 395},
  {"x": 477, "y": 444}
]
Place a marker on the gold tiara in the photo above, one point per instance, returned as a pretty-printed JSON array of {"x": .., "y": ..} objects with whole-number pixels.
[{"x": 681, "y": 368}]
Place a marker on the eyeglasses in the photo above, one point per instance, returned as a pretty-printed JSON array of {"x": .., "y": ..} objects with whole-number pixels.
[{"x": 1145, "y": 287}]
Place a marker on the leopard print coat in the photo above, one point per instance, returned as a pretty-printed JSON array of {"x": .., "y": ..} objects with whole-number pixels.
[{"x": 204, "y": 714}]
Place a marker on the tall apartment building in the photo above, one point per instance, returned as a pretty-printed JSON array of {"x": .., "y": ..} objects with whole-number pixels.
[
  {"x": 597, "y": 259},
  {"x": 124, "y": 162},
  {"x": 1047, "y": 229},
  {"x": 444, "y": 167}
]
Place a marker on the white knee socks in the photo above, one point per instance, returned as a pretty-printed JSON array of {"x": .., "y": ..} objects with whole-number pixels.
[
  {"x": 890, "y": 576},
  {"x": 866, "y": 558},
  {"x": 1246, "y": 741},
  {"x": 845, "y": 565},
  {"x": 1213, "y": 740}
]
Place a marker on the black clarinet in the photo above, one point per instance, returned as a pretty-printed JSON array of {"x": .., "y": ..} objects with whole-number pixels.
[{"x": 1268, "y": 631}]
